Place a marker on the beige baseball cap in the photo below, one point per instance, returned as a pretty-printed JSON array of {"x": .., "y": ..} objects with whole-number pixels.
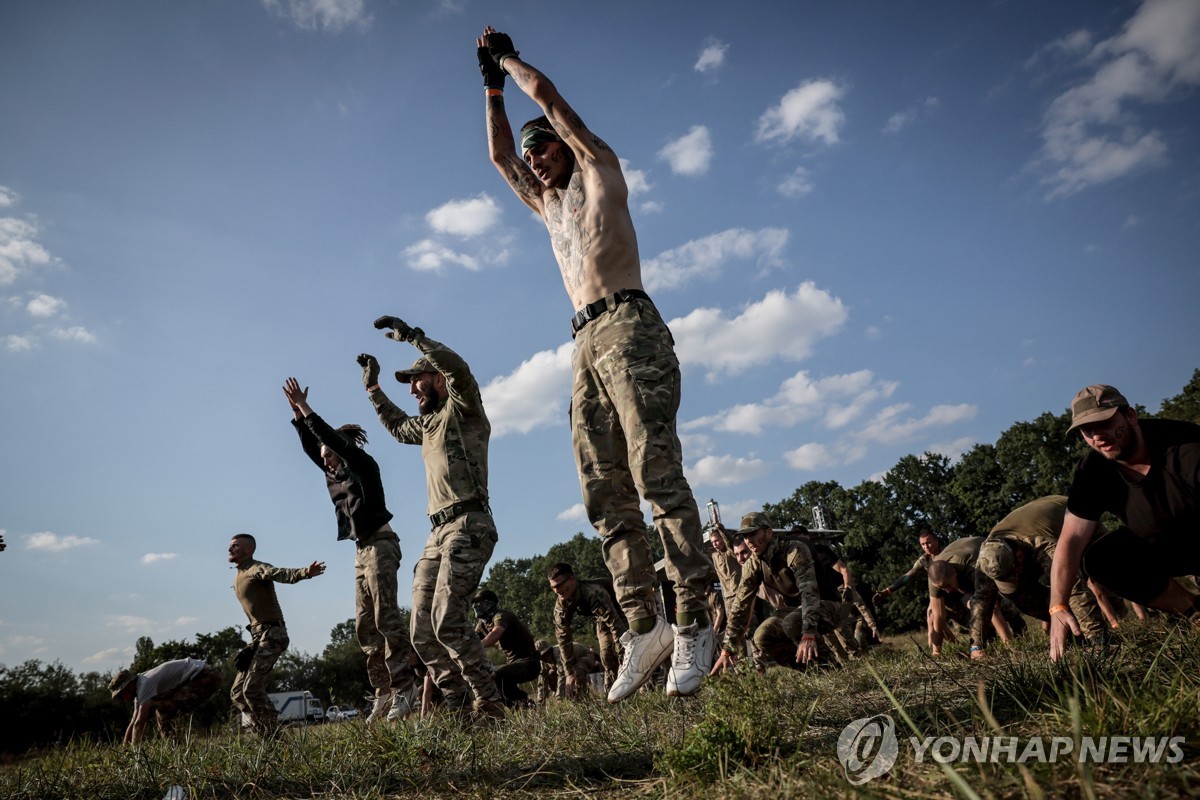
[{"x": 1095, "y": 404}]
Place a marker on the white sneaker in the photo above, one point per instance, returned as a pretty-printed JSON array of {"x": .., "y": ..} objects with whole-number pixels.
[
  {"x": 640, "y": 656},
  {"x": 399, "y": 709},
  {"x": 383, "y": 704},
  {"x": 692, "y": 659}
]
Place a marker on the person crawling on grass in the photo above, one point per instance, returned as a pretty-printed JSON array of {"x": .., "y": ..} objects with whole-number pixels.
[{"x": 784, "y": 565}]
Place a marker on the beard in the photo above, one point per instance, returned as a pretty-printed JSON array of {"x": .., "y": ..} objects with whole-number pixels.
[
  {"x": 1125, "y": 439},
  {"x": 429, "y": 404}
]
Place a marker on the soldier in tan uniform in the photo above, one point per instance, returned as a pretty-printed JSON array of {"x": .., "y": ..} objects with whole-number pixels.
[
  {"x": 1015, "y": 562},
  {"x": 589, "y": 598},
  {"x": 583, "y": 660},
  {"x": 254, "y": 586},
  {"x": 931, "y": 546},
  {"x": 952, "y": 582},
  {"x": 784, "y": 565},
  {"x": 625, "y": 396},
  {"x": 453, "y": 431}
]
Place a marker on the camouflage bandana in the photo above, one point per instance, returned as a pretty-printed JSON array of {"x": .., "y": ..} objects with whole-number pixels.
[{"x": 531, "y": 137}]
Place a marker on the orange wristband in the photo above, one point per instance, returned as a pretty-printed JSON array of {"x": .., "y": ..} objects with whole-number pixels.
[
  {"x": 493, "y": 92},
  {"x": 1055, "y": 609}
]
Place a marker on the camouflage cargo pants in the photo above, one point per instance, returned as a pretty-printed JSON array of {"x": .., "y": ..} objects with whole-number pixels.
[
  {"x": 249, "y": 692},
  {"x": 381, "y": 632},
  {"x": 185, "y": 697},
  {"x": 779, "y": 636},
  {"x": 623, "y": 405},
  {"x": 443, "y": 635},
  {"x": 610, "y": 653}
]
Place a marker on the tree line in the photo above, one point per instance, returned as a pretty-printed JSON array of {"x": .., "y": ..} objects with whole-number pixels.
[{"x": 48, "y": 704}]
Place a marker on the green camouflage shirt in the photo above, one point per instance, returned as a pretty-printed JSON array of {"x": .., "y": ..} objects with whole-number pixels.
[
  {"x": 453, "y": 439},
  {"x": 786, "y": 567},
  {"x": 592, "y": 599}
]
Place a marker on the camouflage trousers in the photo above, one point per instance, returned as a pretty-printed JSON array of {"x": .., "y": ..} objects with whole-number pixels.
[
  {"x": 609, "y": 652},
  {"x": 623, "y": 405},
  {"x": 445, "y": 576},
  {"x": 778, "y": 636},
  {"x": 184, "y": 698},
  {"x": 249, "y": 692},
  {"x": 381, "y": 632}
]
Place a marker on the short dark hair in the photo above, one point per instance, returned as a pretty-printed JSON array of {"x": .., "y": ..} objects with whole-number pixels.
[
  {"x": 355, "y": 433},
  {"x": 928, "y": 532},
  {"x": 246, "y": 536},
  {"x": 484, "y": 596},
  {"x": 560, "y": 570}
]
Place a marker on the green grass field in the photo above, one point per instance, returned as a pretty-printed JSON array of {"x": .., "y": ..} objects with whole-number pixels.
[{"x": 744, "y": 736}]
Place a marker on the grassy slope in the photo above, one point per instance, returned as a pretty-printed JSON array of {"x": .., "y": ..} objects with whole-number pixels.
[{"x": 744, "y": 736}]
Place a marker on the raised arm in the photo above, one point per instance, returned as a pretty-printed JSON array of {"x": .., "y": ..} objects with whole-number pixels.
[
  {"x": 502, "y": 145},
  {"x": 586, "y": 146}
]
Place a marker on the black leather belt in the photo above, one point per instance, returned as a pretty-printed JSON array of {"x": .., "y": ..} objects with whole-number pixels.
[
  {"x": 457, "y": 510},
  {"x": 593, "y": 310}
]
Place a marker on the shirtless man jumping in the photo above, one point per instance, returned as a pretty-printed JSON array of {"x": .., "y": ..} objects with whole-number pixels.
[{"x": 626, "y": 376}]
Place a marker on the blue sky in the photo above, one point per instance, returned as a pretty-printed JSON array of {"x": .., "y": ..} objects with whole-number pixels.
[{"x": 875, "y": 229}]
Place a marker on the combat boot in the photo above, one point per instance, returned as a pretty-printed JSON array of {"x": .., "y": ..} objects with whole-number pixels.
[
  {"x": 485, "y": 711},
  {"x": 691, "y": 660},
  {"x": 640, "y": 656},
  {"x": 400, "y": 708}
]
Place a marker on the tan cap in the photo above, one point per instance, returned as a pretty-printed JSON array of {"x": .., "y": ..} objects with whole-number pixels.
[
  {"x": 996, "y": 560},
  {"x": 754, "y": 521},
  {"x": 121, "y": 680},
  {"x": 420, "y": 367},
  {"x": 1095, "y": 404}
]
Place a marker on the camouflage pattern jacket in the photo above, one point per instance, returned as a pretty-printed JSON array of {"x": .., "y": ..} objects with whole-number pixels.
[
  {"x": 453, "y": 439},
  {"x": 593, "y": 598},
  {"x": 786, "y": 567}
]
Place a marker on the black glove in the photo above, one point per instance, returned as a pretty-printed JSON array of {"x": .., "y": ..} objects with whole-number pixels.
[
  {"x": 493, "y": 76},
  {"x": 500, "y": 46},
  {"x": 400, "y": 330},
  {"x": 370, "y": 369}
]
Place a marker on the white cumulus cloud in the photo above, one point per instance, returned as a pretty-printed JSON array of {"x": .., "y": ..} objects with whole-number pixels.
[
  {"x": 466, "y": 218},
  {"x": 705, "y": 258},
  {"x": 54, "y": 543},
  {"x": 153, "y": 558},
  {"x": 533, "y": 395},
  {"x": 691, "y": 153},
  {"x": 725, "y": 470},
  {"x": 576, "y": 513},
  {"x": 795, "y": 184},
  {"x": 712, "y": 56},
  {"x": 327, "y": 15},
  {"x": 43, "y": 305},
  {"x": 810, "y": 111},
  {"x": 781, "y": 325},
  {"x": 429, "y": 255},
  {"x": 1091, "y": 133}
]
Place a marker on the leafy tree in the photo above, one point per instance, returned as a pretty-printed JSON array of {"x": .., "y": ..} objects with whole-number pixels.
[
  {"x": 1186, "y": 404},
  {"x": 1037, "y": 459},
  {"x": 977, "y": 485}
]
